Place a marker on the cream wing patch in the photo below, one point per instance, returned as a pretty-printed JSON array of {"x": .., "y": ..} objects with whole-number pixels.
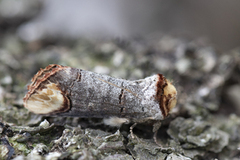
[{"x": 45, "y": 101}]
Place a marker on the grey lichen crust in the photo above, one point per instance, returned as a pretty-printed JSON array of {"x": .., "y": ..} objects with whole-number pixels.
[{"x": 197, "y": 134}]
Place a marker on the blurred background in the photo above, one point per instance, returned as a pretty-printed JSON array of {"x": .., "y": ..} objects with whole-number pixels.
[{"x": 216, "y": 21}]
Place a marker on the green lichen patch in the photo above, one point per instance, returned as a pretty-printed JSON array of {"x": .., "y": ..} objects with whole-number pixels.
[
  {"x": 175, "y": 156},
  {"x": 146, "y": 149},
  {"x": 18, "y": 115},
  {"x": 4, "y": 152}
]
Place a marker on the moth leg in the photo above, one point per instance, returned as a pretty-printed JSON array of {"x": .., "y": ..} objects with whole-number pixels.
[
  {"x": 115, "y": 121},
  {"x": 156, "y": 127},
  {"x": 131, "y": 129}
]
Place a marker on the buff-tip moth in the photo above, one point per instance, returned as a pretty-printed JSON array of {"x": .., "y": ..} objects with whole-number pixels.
[{"x": 65, "y": 91}]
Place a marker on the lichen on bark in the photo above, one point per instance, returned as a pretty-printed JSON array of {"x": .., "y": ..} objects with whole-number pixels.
[{"x": 204, "y": 124}]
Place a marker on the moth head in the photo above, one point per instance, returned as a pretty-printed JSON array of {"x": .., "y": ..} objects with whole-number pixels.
[
  {"x": 169, "y": 96},
  {"x": 166, "y": 95},
  {"x": 44, "y": 96}
]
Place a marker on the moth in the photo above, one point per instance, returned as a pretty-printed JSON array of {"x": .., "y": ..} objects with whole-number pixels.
[{"x": 66, "y": 91}]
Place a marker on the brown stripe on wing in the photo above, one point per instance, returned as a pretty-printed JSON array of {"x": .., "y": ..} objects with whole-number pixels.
[
  {"x": 161, "y": 84},
  {"x": 40, "y": 77}
]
